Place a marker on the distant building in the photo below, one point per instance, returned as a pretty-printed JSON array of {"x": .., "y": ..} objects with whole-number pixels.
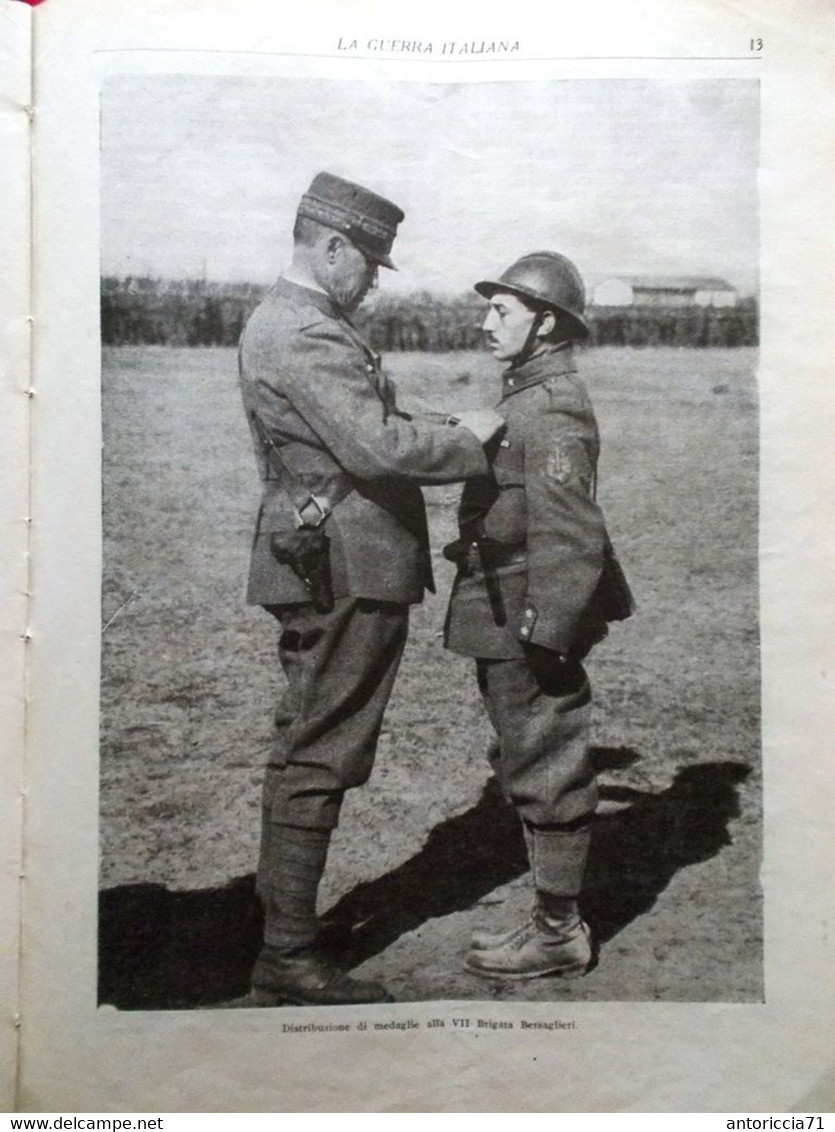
[{"x": 663, "y": 291}]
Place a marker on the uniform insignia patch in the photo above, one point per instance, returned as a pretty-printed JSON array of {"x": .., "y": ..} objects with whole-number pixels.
[
  {"x": 559, "y": 466},
  {"x": 569, "y": 462}
]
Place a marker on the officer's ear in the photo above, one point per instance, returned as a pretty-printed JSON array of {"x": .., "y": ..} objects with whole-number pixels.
[{"x": 333, "y": 247}]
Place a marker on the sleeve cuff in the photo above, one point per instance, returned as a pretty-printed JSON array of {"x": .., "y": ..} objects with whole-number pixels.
[{"x": 538, "y": 629}]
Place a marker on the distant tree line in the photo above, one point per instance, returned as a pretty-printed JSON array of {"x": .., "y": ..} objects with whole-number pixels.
[
  {"x": 146, "y": 311},
  {"x": 675, "y": 326},
  {"x": 177, "y": 312}
]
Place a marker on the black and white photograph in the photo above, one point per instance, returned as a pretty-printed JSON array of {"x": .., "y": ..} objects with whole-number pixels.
[{"x": 430, "y": 663}]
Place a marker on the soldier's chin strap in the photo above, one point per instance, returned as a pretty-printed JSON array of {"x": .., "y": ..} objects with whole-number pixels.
[{"x": 530, "y": 341}]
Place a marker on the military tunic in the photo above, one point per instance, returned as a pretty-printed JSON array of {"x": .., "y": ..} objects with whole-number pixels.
[
  {"x": 535, "y": 533},
  {"x": 319, "y": 392},
  {"x": 531, "y": 557},
  {"x": 320, "y": 397}
]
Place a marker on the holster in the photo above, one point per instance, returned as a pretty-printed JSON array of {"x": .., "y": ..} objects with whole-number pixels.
[
  {"x": 307, "y": 552},
  {"x": 486, "y": 556},
  {"x": 459, "y": 553},
  {"x": 483, "y": 554}
]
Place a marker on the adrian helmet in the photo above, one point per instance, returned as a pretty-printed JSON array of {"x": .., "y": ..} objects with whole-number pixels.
[{"x": 548, "y": 279}]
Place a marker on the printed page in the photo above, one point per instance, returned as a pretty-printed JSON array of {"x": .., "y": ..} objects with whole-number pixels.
[
  {"x": 15, "y": 447},
  {"x": 679, "y": 160}
]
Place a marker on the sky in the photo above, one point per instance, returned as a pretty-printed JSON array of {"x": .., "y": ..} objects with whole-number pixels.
[{"x": 201, "y": 175}]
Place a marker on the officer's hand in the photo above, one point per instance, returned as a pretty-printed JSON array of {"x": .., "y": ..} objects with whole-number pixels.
[{"x": 483, "y": 422}]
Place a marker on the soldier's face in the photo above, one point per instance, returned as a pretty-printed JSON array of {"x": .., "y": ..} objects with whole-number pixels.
[
  {"x": 507, "y": 326},
  {"x": 353, "y": 275}
]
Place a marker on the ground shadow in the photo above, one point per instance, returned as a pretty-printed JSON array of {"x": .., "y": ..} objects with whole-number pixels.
[
  {"x": 463, "y": 860},
  {"x": 169, "y": 950},
  {"x": 638, "y": 850},
  {"x": 163, "y": 950}
]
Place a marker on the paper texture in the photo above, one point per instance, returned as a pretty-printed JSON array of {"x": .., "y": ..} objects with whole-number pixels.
[
  {"x": 113, "y": 85},
  {"x": 15, "y": 439}
]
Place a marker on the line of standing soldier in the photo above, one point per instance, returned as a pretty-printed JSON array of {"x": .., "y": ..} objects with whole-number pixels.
[{"x": 341, "y": 551}]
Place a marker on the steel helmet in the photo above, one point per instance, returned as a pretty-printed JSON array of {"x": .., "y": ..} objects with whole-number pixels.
[{"x": 548, "y": 279}]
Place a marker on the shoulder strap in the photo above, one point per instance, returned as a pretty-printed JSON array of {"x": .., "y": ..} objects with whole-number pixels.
[{"x": 311, "y": 510}]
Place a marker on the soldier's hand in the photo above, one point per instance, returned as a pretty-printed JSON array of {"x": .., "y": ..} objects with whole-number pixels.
[{"x": 485, "y": 423}]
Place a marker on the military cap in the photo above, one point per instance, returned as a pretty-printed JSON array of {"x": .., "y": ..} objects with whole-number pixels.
[{"x": 368, "y": 220}]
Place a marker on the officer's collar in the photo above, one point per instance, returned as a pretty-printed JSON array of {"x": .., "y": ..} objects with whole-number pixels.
[
  {"x": 319, "y": 299},
  {"x": 552, "y": 362}
]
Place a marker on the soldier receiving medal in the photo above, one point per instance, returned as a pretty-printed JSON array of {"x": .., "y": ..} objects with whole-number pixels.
[{"x": 537, "y": 584}]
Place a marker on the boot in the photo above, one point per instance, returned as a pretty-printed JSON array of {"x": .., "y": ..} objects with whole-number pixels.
[
  {"x": 489, "y": 941},
  {"x": 553, "y": 939},
  {"x": 307, "y": 978},
  {"x": 541, "y": 946},
  {"x": 292, "y": 966}
]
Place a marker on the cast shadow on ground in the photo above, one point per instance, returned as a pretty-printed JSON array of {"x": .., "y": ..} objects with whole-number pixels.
[{"x": 168, "y": 950}]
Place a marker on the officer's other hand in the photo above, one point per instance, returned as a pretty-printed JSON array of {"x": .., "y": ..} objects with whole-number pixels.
[{"x": 485, "y": 423}]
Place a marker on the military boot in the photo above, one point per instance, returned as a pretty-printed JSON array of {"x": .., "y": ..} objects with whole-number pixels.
[
  {"x": 293, "y": 965},
  {"x": 541, "y": 946},
  {"x": 489, "y": 941},
  {"x": 553, "y": 940},
  {"x": 308, "y": 978}
]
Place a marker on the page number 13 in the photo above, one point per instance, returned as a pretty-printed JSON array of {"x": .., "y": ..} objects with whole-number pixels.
[{"x": 755, "y": 45}]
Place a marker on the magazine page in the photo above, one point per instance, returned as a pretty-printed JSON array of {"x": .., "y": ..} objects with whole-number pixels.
[
  {"x": 431, "y": 587},
  {"x": 15, "y": 442}
]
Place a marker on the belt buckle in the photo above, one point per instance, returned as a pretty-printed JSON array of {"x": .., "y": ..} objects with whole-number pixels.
[{"x": 322, "y": 506}]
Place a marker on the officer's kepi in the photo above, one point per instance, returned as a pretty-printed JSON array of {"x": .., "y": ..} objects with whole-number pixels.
[{"x": 368, "y": 220}]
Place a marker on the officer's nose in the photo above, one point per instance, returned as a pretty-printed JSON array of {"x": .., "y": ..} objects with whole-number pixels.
[{"x": 489, "y": 321}]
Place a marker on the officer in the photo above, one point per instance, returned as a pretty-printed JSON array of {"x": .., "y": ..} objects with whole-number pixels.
[
  {"x": 537, "y": 582},
  {"x": 340, "y": 552}
]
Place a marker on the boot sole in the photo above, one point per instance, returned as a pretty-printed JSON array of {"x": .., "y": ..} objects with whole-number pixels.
[
  {"x": 280, "y": 998},
  {"x": 574, "y": 971}
]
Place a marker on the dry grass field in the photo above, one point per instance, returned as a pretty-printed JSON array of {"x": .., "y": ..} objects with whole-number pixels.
[{"x": 427, "y": 850}]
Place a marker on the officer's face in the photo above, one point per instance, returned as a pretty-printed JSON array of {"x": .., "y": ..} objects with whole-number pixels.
[
  {"x": 353, "y": 275},
  {"x": 507, "y": 325}
]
